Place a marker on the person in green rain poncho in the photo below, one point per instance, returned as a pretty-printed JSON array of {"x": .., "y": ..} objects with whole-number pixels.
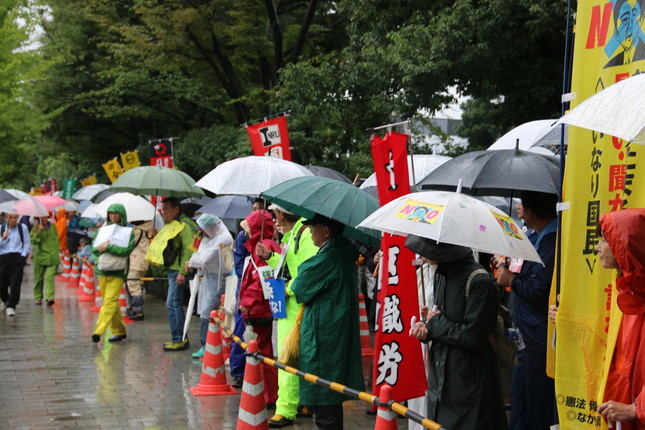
[
  {"x": 111, "y": 280},
  {"x": 44, "y": 238},
  {"x": 298, "y": 245},
  {"x": 330, "y": 344}
]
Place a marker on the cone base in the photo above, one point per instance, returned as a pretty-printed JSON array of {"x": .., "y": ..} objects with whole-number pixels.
[
  {"x": 212, "y": 390},
  {"x": 128, "y": 320},
  {"x": 95, "y": 309},
  {"x": 367, "y": 351}
]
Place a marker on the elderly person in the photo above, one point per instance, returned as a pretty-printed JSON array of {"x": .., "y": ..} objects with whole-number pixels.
[
  {"x": 463, "y": 381},
  {"x": 330, "y": 344},
  {"x": 622, "y": 248}
]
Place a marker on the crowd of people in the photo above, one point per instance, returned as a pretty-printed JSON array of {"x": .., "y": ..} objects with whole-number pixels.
[{"x": 323, "y": 273}]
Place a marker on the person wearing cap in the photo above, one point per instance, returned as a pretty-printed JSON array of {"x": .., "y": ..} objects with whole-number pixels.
[
  {"x": 330, "y": 345},
  {"x": 297, "y": 247},
  {"x": 209, "y": 263},
  {"x": 14, "y": 248},
  {"x": 463, "y": 382}
]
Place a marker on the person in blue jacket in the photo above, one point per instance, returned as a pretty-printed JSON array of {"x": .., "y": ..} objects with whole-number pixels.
[{"x": 533, "y": 392}]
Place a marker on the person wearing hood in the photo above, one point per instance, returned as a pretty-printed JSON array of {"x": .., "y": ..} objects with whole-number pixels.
[
  {"x": 111, "y": 281},
  {"x": 622, "y": 247},
  {"x": 463, "y": 382},
  {"x": 44, "y": 239},
  {"x": 253, "y": 305},
  {"x": 297, "y": 247},
  {"x": 330, "y": 345},
  {"x": 61, "y": 228},
  {"x": 138, "y": 268},
  {"x": 209, "y": 262}
]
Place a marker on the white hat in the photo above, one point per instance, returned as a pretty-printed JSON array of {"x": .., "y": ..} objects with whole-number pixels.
[{"x": 275, "y": 207}]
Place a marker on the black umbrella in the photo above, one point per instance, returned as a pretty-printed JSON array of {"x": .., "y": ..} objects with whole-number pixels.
[
  {"x": 326, "y": 172},
  {"x": 503, "y": 172}
]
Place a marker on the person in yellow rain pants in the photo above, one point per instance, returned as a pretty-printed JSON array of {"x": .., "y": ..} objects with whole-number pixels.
[{"x": 111, "y": 269}]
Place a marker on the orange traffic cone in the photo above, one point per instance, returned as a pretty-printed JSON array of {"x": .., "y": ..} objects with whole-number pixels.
[
  {"x": 366, "y": 343},
  {"x": 213, "y": 380},
  {"x": 75, "y": 275},
  {"x": 87, "y": 281},
  {"x": 98, "y": 298},
  {"x": 67, "y": 267},
  {"x": 124, "y": 307},
  {"x": 385, "y": 418},
  {"x": 252, "y": 414},
  {"x": 226, "y": 339}
]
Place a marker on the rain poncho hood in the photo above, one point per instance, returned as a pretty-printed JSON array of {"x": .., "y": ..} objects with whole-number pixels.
[
  {"x": 120, "y": 209},
  {"x": 624, "y": 231},
  {"x": 207, "y": 256},
  {"x": 255, "y": 221}
]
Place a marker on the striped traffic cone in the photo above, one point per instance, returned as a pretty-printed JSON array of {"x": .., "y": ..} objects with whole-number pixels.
[
  {"x": 366, "y": 343},
  {"x": 252, "y": 414},
  {"x": 213, "y": 380},
  {"x": 67, "y": 267},
  {"x": 87, "y": 280},
  {"x": 226, "y": 339},
  {"x": 75, "y": 276},
  {"x": 98, "y": 298},
  {"x": 385, "y": 418},
  {"x": 124, "y": 306}
]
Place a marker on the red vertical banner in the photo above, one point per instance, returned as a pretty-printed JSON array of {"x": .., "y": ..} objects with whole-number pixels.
[
  {"x": 397, "y": 355},
  {"x": 161, "y": 153},
  {"x": 270, "y": 137}
]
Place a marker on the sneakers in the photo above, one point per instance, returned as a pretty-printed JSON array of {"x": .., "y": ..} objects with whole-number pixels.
[
  {"x": 237, "y": 382},
  {"x": 3, "y": 306},
  {"x": 278, "y": 421},
  {"x": 96, "y": 338},
  {"x": 50, "y": 302},
  {"x": 176, "y": 346},
  {"x": 304, "y": 412},
  {"x": 11, "y": 312},
  {"x": 199, "y": 353},
  {"x": 117, "y": 338}
]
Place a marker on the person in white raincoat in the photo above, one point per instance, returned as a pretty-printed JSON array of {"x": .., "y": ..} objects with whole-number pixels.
[{"x": 209, "y": 262}]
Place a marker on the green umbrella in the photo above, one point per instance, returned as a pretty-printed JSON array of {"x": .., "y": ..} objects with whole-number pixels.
[
  {"x": 337, "y": 200},
  {"x": 157, "y": 181}
]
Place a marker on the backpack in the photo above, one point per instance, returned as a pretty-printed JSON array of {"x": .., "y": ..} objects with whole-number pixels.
[
  {"x": 505, "y": 349},
  {"x": 18, "y": 226}
]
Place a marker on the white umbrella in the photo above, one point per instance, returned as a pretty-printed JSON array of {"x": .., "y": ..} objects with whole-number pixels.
[
  {"x": 453, "y": 218},
  {"x": 251, "y": 176},
  {"x": 91, "y": 212},
  {"x": 618, "y": 110},
  {"x": 194, "y": 286},
  {"x": 89, "y": 191},
  {"x": 20, "y": 195},
  {"x": 70, "y": 206},
  {"x": 423, "y": 165},
  {"x": 137, "y": 208}
]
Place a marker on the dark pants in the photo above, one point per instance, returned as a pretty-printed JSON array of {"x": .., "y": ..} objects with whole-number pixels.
[
  {"x": 533, "y": 393},
  {"x": 11, "y": 268},
  {"x": 328, "y": 417}
]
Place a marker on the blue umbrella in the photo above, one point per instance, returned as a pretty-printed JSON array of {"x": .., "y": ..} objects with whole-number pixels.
[{"x": 228, "y": 207}]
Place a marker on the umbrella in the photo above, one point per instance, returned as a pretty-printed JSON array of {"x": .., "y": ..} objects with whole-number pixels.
[
  {"x": 497, "y": 173},
  {"x": 91, "y": 212},
  {"x": 19, "y": 195},
  {"x": 136, "y": 207},
  {"x": 194, "y": 287},
  {"x": 453, "y": 218},
  {"x": 326, "y": 172},
  {"x": 157, "y": 181},
  {"x": 228, "y": 207},
  {"x": 102, "y": 195},
  {"x": 337, "y": 200},
  {"x": 31, "y": 207},
  {"x": 250, "y": 176},
  {"x": 423, "y": 165},
  {"x": 618, "y": 110},
  {"x": 89, "y": 191},
  {"x": 50, "y": 202},
  {"x": 70, "y": 206},
  {"x": 6, "y": 196}
]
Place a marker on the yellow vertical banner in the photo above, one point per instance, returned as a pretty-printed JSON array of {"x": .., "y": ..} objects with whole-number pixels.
[
  {"x": 129, "y": 160},
  {"x": 113, "y": 169},
  {"x": 603, "y": 174}
]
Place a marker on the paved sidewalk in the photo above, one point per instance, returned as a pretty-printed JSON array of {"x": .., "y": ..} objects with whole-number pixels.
[{"x": 53, "y": 376}]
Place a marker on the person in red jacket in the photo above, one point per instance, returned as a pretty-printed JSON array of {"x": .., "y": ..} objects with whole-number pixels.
[
  {"x": 256, "y": 309},
  {"x": 622, "y": 247}
]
